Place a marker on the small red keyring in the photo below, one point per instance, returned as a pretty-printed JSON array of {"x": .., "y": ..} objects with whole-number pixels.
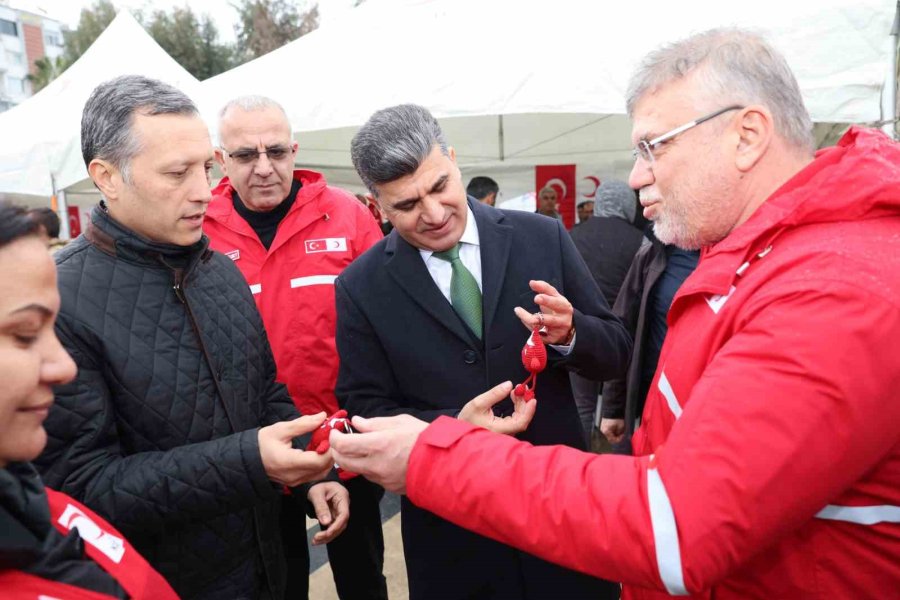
[{"x": 534, "y": 359}]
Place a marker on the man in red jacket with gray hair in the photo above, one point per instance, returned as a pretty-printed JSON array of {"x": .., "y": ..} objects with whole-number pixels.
[
  {"x": 291, "y": 235},
  {"x": 768, "y": 460}
]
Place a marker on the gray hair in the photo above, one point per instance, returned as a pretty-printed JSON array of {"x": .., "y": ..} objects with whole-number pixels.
[
  {"x": 738, "y": 67},
  {"x": 106, "y": 123},
  {"x": 548, "y": 188},
  {"x": 615, "y": 199},
  {"x": 393, "y": 143},
  {"x": 250, "y": 103}
]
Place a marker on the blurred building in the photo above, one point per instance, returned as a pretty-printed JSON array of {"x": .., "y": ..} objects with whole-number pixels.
[{"x": 24, "y": 38}]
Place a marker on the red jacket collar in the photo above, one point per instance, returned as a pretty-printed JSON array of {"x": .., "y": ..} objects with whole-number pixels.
[{"x": 221, "y": 207}]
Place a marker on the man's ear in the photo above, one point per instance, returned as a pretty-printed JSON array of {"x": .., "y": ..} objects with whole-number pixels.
[
  {"x": 755, "y": 128},
  {"x": 106, "y": 177},
  {"x": 219, "y": 156},
  {"x": 451, "y": 152}
]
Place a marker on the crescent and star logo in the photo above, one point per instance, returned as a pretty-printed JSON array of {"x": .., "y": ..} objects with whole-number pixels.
[
  {"x": 326, "y": 245},
  {"x": 110, "y": 545}
]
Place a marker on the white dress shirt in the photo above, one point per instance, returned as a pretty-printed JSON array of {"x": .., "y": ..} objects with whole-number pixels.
[{"x": 470, "y": 254}]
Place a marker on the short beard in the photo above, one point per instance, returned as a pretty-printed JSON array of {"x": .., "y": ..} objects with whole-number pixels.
[
  {"x": 675, "y": 226},
  {"x": 676, "y": 234}
]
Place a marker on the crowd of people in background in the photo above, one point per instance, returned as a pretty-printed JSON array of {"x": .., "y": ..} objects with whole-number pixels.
[{"x": 716, "y": 417}]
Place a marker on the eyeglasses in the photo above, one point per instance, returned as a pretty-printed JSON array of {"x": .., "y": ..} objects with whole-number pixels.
[
  {"x": 644, "y": 148},
  {"x": 245, "y": 156}
]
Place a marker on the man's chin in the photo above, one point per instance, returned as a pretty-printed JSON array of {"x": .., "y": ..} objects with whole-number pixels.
[
  {"x": 672, "y": 237},
  {"x": 264, "y": 203}
]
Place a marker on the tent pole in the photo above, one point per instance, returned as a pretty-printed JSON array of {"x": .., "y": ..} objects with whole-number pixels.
[
  {"x": 500, "y": 135},
  {"x": 58, "y": 203},
  {"x": 890, "y": 126}
]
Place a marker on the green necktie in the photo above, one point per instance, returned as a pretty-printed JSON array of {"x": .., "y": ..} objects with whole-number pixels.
[{"x": 464, "y": 293}]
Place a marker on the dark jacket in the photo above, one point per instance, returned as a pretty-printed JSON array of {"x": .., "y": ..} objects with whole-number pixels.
[
  {"x": 404, "y": 350},
  {"x": 608, "y": 245},
  {"x": 622, "y": 398},
  {"x": 30, "y": 543},
  {"x": 158, "y": 432}
]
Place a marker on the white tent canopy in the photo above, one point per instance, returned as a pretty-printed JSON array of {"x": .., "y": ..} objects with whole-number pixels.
[
  {"x": 515, "y": 83},
  {"x": 41, "y": 149},
  {"x": 522, "y": 82}
]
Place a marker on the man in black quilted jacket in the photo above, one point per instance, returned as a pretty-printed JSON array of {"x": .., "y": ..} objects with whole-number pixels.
[{"x": 175, "y": 429}]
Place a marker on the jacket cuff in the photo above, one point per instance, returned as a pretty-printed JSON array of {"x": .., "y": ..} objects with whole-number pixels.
[
  {"x": 442, "y": 434},
  {"x": 249, "y": 442},
  {"x": 613, "y": 412}
]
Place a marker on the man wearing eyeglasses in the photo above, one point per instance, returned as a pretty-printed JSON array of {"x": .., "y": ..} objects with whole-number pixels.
[
  {"x": 291, "y": 234},
  {"x": 768, "y": 459}
]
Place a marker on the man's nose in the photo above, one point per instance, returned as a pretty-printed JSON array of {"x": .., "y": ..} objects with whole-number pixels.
[
  {"x": 432, "y": 210},
  {"x": 641, "y": 174},
  {"x": 199, "y": 190},
  {"x": 263, "y": 166}
]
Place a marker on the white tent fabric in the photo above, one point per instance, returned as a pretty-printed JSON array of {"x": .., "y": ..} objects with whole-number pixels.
[
  {"x": 41, "y": 137},
  {"x": 522, "y": 82}
]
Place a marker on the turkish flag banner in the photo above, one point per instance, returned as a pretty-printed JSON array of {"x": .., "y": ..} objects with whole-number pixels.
[
  {"x": 326, "y": 245},
  {"x": 562, "y": 179},
  {"x": 74, "y": 222}
]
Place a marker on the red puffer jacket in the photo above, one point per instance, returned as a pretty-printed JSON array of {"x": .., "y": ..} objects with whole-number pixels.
[
  {"x": 771, "y": 451},
  {"x": 293, "y": 282}
]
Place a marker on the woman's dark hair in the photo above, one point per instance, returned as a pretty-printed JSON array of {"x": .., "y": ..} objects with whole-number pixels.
[
  {"x": 48, "y": 219},
  {"x": 15, "y": 223}
]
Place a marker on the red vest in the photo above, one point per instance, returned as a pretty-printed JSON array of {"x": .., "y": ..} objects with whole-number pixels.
[{"x": 104, "y": 545}]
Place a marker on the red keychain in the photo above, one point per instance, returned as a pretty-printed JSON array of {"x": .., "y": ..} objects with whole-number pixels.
[
  {"x": 534, "y": 359},
  {"x": 319, "y": 442}
]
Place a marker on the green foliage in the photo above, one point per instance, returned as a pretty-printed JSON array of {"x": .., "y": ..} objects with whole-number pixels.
[
  {"x": 91, "y": 24},
  {"x": 46, "y": 70},
  {"x": 265, "y": 25},
  {"x": 192, "y": 42}
]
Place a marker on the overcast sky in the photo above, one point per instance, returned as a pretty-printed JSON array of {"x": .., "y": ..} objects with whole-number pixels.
[{"x": 221, "y": 11}]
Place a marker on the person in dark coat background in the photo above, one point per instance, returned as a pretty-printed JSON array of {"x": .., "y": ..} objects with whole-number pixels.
[
  {"x": 643, "y": 304},
  {"x": 607, "y": 243}
]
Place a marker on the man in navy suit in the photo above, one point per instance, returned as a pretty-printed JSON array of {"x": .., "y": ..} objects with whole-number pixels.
[{"x": 433, "y": 315}]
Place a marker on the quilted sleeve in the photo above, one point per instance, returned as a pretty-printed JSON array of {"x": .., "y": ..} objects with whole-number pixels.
[
  {"x": 602, "y": 347},
  {"x": 146, "y": 491}
]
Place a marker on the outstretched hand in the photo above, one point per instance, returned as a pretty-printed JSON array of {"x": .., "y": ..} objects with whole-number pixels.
[
  {"x": 480, "y": 411},
  {"x": 380, "y": 449}
]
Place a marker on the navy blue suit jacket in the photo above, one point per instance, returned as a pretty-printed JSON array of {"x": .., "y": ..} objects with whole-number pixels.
[{"x": 403, "y": 349}]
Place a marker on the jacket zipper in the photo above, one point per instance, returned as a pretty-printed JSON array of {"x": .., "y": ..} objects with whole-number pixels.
[
  {"x": 179, "y": 293},
  {"x": 215, "y": 371}
]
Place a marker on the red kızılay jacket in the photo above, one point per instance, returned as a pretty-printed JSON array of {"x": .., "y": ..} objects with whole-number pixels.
[
  {"x": 103, "y": 545},
  {"x": 293, "y": 282},
  {"x": 769, "y": 451}
]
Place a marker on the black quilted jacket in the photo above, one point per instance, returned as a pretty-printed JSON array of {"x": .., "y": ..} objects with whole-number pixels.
[{"x": 158, "y": 433}]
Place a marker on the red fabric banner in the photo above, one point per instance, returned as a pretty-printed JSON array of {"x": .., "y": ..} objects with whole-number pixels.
[
  {"x": 74, "y": 222},
  {"x": 562, "y": 179}
]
